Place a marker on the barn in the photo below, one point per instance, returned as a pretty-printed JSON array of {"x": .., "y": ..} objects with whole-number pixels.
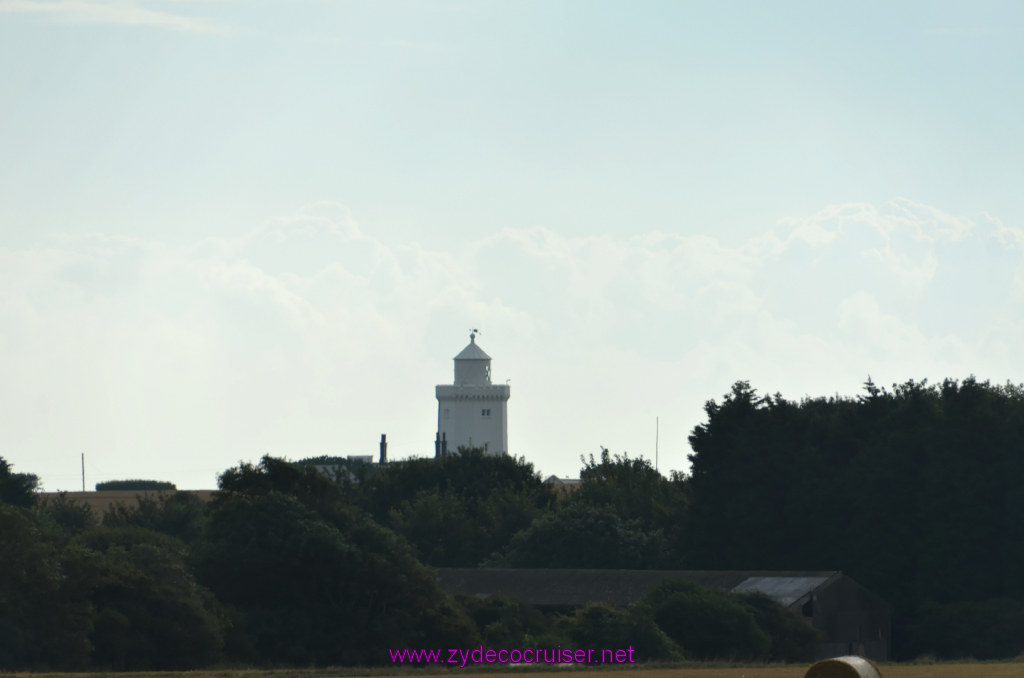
[{"x": 852, "y": 619}]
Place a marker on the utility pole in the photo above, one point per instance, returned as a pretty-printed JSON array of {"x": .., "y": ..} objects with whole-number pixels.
[{"x": 83, "y": 471}]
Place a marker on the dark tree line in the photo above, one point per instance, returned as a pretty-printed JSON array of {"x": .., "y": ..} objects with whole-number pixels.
[
  {"x": 288, "y": 566},
  {"x": 915, "y": 492},
  {"x": 135, "y": 484}
]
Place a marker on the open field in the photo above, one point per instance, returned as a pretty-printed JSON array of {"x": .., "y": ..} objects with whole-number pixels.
[
  {"x": 101, "y": 500},
  {"x": 940, "y": 670}
]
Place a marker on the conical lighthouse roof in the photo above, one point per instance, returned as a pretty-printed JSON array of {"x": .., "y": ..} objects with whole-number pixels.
[{"x": 472, "y": 351}]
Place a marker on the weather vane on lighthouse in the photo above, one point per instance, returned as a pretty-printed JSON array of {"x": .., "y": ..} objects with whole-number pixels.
[{"x": 472, "y": 334}]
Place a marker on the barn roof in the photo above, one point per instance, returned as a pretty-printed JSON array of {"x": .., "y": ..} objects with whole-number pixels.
[
  {"x": 577, "y": 588},
  {"x": 786, "y": 590}
]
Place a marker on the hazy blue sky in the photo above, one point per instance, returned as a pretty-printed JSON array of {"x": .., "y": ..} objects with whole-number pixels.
[{"x": 233, "y": 228}]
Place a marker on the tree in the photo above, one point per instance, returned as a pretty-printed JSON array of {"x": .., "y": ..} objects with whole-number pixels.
[
  {"x": 509, "y": 622},
  {"x": 272, "y": 475},
  {"x": 150, "y": 611},
  {"x": 313, "y": 579},
  {"x": 440, "y": 528},
  {"x": 455, "y": 510},
  {"x": 792, "y": 638},
  {"x": 17, "y": 489},
  {"x": 707, "y": 624},
  {"x": 583, "y": 536},
  {"x": 599, "y": 625},
  {"x": 178, "y": 514},
  {"x": 637, "y": 492},
  {"x": 135, "y": 485},
  {"x": 988, "y": 629},
  {"x": 69, "y": 516},
  {"x": 45, "y": 615},
  {"x": 912, "y": 491},
  {"x": 633, "y": 488}
]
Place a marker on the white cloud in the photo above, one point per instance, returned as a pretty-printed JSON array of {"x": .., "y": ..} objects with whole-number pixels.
[
  {"x": 113, "y": 12},
  {"x": 863, "y": 320},
  {"x": 1011, "y": 240},
  {"x": 311, "y": 335}
]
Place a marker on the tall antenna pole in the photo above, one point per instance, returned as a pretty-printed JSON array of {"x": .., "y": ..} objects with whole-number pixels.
[
  {"x": 83, "y": 471},
  {"x": 655, "y": 443}
]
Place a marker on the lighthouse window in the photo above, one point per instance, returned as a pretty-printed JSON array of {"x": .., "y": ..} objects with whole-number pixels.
[
  {"x": 446, "y": 413},
  {"x": 485, "y": 413}
]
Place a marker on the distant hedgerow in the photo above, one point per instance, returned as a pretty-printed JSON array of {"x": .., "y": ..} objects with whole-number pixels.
[{"x": 135, "y": 485}]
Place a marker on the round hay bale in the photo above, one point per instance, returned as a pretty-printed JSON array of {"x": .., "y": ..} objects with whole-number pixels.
[{"x": 843, "y": 667}]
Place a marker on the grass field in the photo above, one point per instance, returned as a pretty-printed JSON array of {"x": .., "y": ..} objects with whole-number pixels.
[{"x": 940, "y": 670}]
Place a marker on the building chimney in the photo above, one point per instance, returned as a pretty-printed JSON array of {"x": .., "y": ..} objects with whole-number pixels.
[{"x": 383, "y": 449}]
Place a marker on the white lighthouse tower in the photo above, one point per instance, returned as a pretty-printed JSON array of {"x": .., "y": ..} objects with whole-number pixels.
[{"x": 472, "y": 412}]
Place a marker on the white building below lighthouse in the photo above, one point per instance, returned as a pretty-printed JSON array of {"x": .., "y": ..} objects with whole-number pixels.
[{"x": 472, "y": 412}]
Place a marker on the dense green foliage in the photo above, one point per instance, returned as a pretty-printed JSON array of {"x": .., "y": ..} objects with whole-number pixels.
[
  {"x": 76, "y": 595},
  {"x": 135, "y": 485},
  {"x": 457, "y": 510},
  {"x": 316, "y": 581},
  {"x": 45, "y": 615},
  {"x": 708, "y": 624},
  {"x": 987, "y": 629},
  {"x": 323, "y": 460},
  {"x": 915, "y": 492},
  {"x": 67, "y": 515},
  {"x": 16, "y": 489},
  {"x": 179, "y": 514},
  {"x": 149, "y": 612},
  {"x": 508, "y": 622},
  {"x": 583, "y": 536},
  {"x": 623, "y": 514},
  {"x": 791, "y": 639},
  {"x": 603, "y": 626},
  {"x": 635, "y": 491}
]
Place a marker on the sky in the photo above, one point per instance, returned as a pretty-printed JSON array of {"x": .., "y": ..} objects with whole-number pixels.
[{"x": 231, "y": 228}]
